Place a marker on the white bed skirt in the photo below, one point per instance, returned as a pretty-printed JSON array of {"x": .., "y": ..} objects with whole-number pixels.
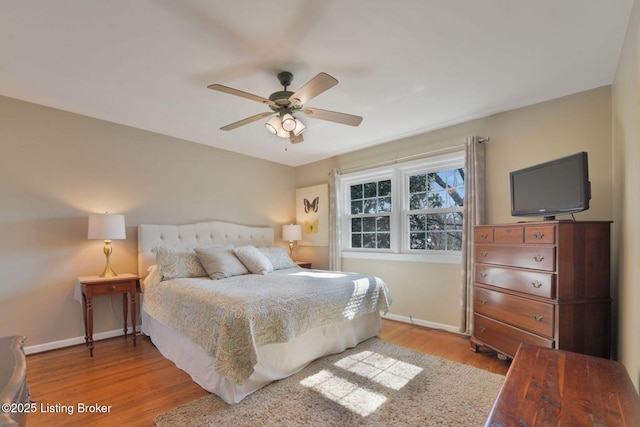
[{"x": 276, "y": 361}]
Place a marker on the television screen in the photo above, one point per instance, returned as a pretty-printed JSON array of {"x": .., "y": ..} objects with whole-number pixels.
[{"x": 557, "y": 187}]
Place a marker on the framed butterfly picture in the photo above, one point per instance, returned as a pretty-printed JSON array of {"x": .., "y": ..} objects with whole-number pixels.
[{"x": 312, "y": 213}]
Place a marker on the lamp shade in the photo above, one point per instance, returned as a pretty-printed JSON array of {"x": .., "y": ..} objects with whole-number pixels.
[
  {"x": 106, "y": 227},
  {"x": 291, "y": 232}
]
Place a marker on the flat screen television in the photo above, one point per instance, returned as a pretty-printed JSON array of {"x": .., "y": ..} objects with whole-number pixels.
[{"x": 557, "y": 187}]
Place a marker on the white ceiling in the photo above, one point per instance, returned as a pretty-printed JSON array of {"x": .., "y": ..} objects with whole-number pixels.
[{"x": 406, "y": 66}]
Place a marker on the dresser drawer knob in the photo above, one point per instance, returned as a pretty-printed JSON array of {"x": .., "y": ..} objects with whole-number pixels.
[
  {"x": 536, "y": 284},
  {"x": 538, "y": 258},
  {"x": 112, "y": 287},
  {"x": 484, "y": 254},
  {"x": 482, "y": 329},
  {"x": 538, "y": 235},
  {"x": 538, "y": 317},
  {"x": 483, "y": 301},
  {"x": 483, "y": 275}
]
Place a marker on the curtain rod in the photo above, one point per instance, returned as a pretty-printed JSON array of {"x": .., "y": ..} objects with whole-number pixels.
[{"x": 416, "y": 156}]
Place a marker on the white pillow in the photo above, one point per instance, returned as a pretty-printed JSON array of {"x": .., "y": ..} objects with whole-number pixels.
[
  {"x": 220, "y": 262},
  {"x": 279, "y": 258},
  {"x": 175, "y": 262},
  {"x": 254, "y": 260}
]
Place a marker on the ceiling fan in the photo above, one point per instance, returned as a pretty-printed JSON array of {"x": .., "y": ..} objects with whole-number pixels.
[{"x": 284, "y": 103}]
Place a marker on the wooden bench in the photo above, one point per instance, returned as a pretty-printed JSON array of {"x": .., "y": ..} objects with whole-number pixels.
[{"x": 548, "y": 387}]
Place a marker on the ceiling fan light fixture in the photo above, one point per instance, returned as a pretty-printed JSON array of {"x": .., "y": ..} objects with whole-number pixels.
[
  {"x": 300, "y": 127},
  {"x": 274, "y": 125},
  {"x": 288, "y": 122}
]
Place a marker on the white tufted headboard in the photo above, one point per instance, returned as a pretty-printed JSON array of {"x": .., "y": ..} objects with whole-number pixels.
[{"x": 202, "y": 234}]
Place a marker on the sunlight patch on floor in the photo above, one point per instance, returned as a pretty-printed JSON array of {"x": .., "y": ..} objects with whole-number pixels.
[
  {"x": 383, "y": 370},
  {"x": 353, "y": 397}
]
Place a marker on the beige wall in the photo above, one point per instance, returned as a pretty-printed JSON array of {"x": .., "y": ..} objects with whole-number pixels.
[
  {"x": 430, "y": 293},
  {"x": 57, "y": 167},
  {"x": 626, "y": 197}
]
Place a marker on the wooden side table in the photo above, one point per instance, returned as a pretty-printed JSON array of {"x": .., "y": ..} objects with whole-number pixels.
[
  {"x": 93, "y": 286},
  {"x": 303, "y": 264}
]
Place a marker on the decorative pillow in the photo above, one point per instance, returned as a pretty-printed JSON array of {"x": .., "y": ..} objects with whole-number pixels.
[
  {"x": 279, "y": 258},
  {"x": 220, "y": 262},
  {"x": 175, "y": 262},
  {"x": 254, "y": 260}
]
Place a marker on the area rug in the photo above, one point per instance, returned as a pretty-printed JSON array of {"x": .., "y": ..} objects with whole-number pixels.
[{"x": 374, "y": 384}]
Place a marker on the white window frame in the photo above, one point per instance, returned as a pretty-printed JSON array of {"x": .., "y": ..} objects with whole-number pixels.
[{"x": 399, "y": 235}]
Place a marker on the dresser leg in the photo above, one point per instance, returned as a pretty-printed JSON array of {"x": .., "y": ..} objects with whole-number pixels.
[{"x": 475, "y": 347}]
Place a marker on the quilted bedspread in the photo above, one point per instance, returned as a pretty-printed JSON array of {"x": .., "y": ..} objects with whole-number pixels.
[{"x": 230, "y": 318}]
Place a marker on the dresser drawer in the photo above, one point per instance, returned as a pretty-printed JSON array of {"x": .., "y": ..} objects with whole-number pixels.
[
  {"x": 540, "y": 234},
  {"x": 503, "y": 337},
  {"x": 509, "y": 234},
  {"x": 535, "y": 283},
  {"x": 538, "y": 258},
  {"x": 109, "y": 288},
  {"x": 534, "y": 316},
  {"x": 483, "y": 234}
]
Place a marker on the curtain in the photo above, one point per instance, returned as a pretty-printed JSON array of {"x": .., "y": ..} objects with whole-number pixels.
[
  {"x": 474, "y": 213},
  {"x": 335, "y": 235}
]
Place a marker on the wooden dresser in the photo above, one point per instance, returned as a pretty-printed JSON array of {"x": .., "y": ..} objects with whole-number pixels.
[{"x": 543, "y": 283}]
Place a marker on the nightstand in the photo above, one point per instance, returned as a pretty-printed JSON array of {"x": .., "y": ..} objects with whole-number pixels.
[
  {"x": 303, "y": 264},
  {"x": 94, "y": 286}
]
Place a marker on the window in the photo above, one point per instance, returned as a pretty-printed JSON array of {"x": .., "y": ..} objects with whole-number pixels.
[
  {"x": 434, "y": 214},
  {"x": 370, "y": 209},
  {"x": 407, "y": 209}
]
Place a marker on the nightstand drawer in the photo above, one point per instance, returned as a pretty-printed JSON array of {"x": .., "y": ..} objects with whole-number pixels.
[{"x": 110, "y": 288}]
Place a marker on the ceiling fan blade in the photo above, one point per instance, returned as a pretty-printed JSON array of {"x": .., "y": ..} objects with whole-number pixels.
[
  {"x": 246, "y": 121},
  {"x": 237, "y": 92},
  {"x": 332, "y": 116},
  {"x": 313, "y": 88},
  {"x": 295, "y": 139}
]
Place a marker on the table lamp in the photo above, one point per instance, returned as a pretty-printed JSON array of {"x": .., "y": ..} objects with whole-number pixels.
[
  {"x": 106, "y": 227},
  {"x": 292, "y": 233}
]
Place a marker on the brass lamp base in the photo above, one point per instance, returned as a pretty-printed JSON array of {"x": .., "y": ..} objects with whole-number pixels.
[{"x": 108, "y": 271}]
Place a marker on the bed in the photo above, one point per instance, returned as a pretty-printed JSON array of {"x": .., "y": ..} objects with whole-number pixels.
[{"x": 243, "y": 330}]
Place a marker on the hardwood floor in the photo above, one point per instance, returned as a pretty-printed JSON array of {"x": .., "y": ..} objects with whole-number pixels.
[{"x": 133, "y": 385}]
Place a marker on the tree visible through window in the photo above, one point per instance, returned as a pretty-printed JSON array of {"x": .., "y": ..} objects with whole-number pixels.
[
  {"x": 435, "y": 210},
  {"x": 370, "y": 214}
]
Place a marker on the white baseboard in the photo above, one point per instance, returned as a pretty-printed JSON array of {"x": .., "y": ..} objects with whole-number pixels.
[
  {"x": 54, "y": 345},
  {"x": 425, "y": 323}
]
